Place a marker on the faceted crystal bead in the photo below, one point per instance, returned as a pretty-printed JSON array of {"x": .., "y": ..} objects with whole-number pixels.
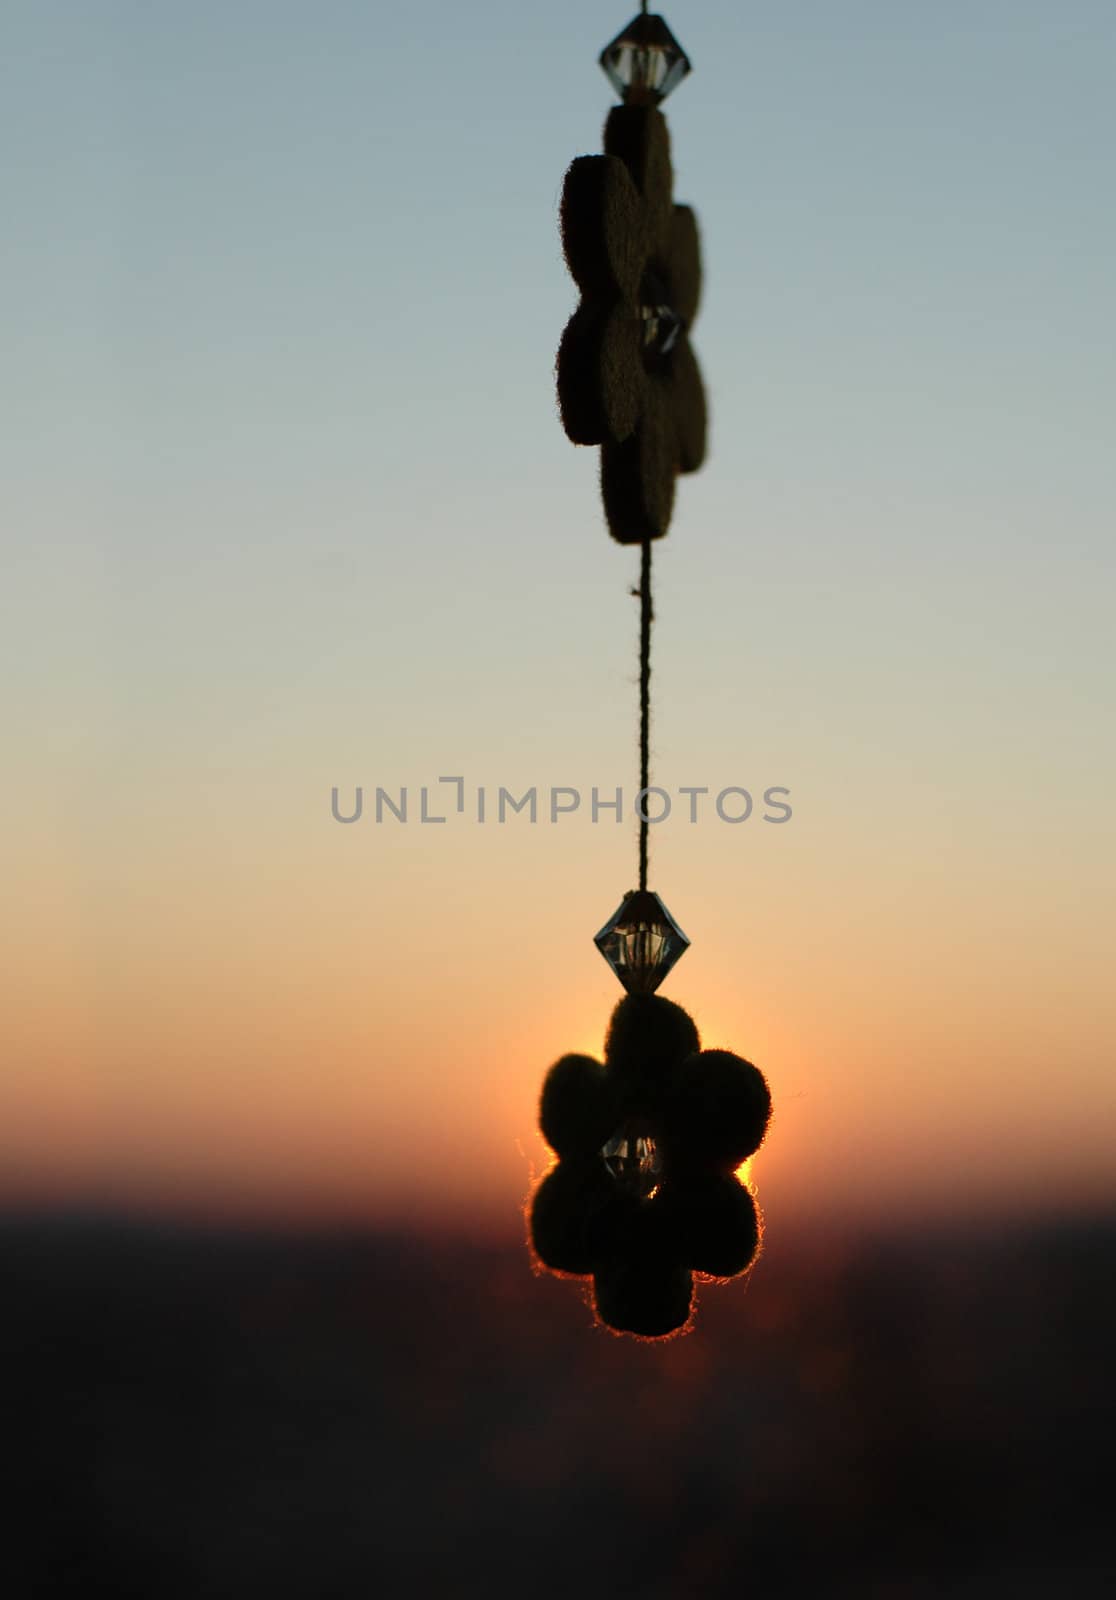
[
  {"x": 661, "y": 327},
  {"x": 633, "y": 1161},
  {"x": 645, "y": 62},
  {"x": 641, "y": 942}
]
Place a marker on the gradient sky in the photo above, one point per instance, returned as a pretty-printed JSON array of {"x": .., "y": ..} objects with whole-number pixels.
[{"x": 287, "y": 506}]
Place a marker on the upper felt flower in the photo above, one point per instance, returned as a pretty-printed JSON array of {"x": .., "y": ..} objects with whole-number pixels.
[
  {"x": 644, "y": 1193},
  {"x": 628, "y": 379}
]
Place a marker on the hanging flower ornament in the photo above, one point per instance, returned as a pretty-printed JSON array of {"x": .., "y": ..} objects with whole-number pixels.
[
  {"x": 645, "y": 1191},
  {"x": 628, "y": 379}
]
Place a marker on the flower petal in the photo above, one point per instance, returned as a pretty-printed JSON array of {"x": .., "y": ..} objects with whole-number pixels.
[
  {"x": 637, "y": 477},
  {"x": 601, "y": 380},
  {"x": 648, "y": 1037},
  {"x": 579, "y": 1106},
  {"x": 641, "y": 1286},
  {"x": 684, "y": 264},
  {"x": 603, "y": 228},
  {"x": 715, "y": 1217},
  {"x": 638, "y": 136},
  {"x": 575, "y": 1215},
  {"x": 717, "y": 1111},
  {"x": 687, "y": 406}
]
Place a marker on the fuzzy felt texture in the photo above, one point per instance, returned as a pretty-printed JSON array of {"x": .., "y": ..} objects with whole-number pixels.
[
  {"x": 628, "y": 379},
  {"x": 579, "y": 1105},
  {"x": 706, "y": 1111}
]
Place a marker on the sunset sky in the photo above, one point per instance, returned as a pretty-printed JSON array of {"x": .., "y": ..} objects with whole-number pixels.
[{"x": 288, "y": 507}]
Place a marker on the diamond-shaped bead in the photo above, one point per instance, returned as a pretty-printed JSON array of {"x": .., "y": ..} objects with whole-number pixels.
[
  {"x": 633, "y": 1162},
  {"x": 641, "y": 942},
  {"x": 661, "y": 327},
  {"x": 644, "y": 62}
]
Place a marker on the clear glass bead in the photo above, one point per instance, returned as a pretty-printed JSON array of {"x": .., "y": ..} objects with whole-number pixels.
[
  {"x": 641, "y": 942},
  {"x": 661, "y": 327},
  {"x": 644, "y": 62},
  {"x": 633, "y": 1161}
]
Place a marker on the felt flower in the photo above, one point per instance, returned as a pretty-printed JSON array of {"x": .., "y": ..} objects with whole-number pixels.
[
  {"x": 628, "y": 379},
  {"x": 644, "y": 1193}
]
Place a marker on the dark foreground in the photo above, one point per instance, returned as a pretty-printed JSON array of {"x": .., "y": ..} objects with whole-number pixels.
[{"x": 206, "y": 1415}]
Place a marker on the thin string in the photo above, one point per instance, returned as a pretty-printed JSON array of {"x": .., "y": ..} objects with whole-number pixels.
[{"x": 645, "y": 616}]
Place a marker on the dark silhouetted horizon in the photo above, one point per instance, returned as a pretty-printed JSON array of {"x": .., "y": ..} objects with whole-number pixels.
[{"x": 222, "y": 1412}]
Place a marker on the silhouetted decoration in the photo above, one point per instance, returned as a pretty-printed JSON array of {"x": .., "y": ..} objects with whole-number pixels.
[
  {"x": 644, "y": 1193},
  {"x": 628, "y": 379}
]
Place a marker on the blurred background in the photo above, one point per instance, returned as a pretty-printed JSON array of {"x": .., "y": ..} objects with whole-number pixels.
[{"x": 287, "y": 508}]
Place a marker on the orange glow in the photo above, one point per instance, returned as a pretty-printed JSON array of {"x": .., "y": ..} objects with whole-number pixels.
[
  {"x": 233, "y": 1029},
  {"x": 231, "y": 596}
]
